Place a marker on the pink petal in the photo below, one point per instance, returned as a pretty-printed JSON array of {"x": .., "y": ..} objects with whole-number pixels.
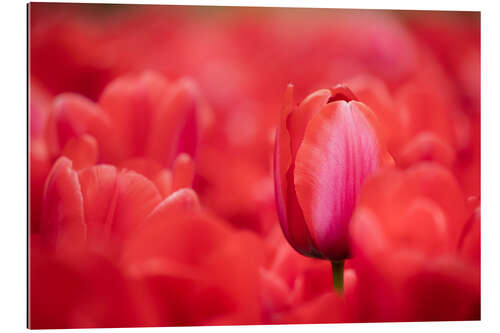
[{"x": 340, "y": 149}]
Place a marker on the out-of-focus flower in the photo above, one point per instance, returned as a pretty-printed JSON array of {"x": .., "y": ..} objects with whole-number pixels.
[
  {"x": 190, "y": 263},
  {"x": 99, "y": 207},
  {"x": 413, "y": 220},
  {"x": 81, "y": 289},
  {"x": 143, "y": 123},
  {"x": 325, "y": 149},
  {"x": 148, "y": 117},
  {"x": 96, "y": 207}
]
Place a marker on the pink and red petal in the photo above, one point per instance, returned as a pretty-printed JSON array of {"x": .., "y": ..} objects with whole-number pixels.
[{"x": 340, "y": 149}]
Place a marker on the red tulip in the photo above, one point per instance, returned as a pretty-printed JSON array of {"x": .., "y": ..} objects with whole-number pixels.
[
  {"x": 325, "y": 149},
  {"x": 148, "y": 116},
  {"x": 413, "y": 251},
  {"x": 95, "y": 207}
]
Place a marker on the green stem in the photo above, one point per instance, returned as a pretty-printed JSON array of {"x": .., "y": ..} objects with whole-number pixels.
[{"x": 338, "y": 276}]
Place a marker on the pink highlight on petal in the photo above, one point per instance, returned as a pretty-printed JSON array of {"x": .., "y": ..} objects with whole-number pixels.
[
  {"x": 325, "y": 148},
  {"x": 182, "y": 201},
  {"x": 340, "y": 149}
]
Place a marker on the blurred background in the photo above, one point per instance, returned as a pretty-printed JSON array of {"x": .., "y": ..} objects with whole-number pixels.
[
  {"x": 242, "y": 58},
  {"x": 419, "y": 71}
]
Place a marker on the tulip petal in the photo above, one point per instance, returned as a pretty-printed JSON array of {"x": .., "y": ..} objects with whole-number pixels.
[
  {"x": 289, "y": 212},
  {"x": 163, "y": 182},
  {"x": 136, "y": 198},
  {"x": 282, "y": 159},
  {"x": 426, "y": 146},
  {"x": 132, "y": 104},
  {"x": 300, "y": 117},
  {"x": 74, "y": 115},
  {"x": 340, "y": 149},
  {"x": 183, "y": 172},
  {"x": 98, "y": 189},
  {"x": 62, "y": 224},
  {"x": 175, "y": 129},
  {"x": 82, "y": 151},
  {"x": 420, "y": 210},
  {"x": 115, "y": 203},
  {"x": 146, "y": 167},
  {"x": 183, "y": 200}
]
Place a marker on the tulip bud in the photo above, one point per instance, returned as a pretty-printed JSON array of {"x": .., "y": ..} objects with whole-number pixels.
[{"x": 325, "y": 149}]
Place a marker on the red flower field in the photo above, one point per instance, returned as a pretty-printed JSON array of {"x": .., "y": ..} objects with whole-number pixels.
[{"x": 232, "y": 166}]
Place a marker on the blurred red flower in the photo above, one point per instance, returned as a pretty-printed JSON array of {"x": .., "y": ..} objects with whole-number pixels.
[{"x": 414, "y": 220}]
